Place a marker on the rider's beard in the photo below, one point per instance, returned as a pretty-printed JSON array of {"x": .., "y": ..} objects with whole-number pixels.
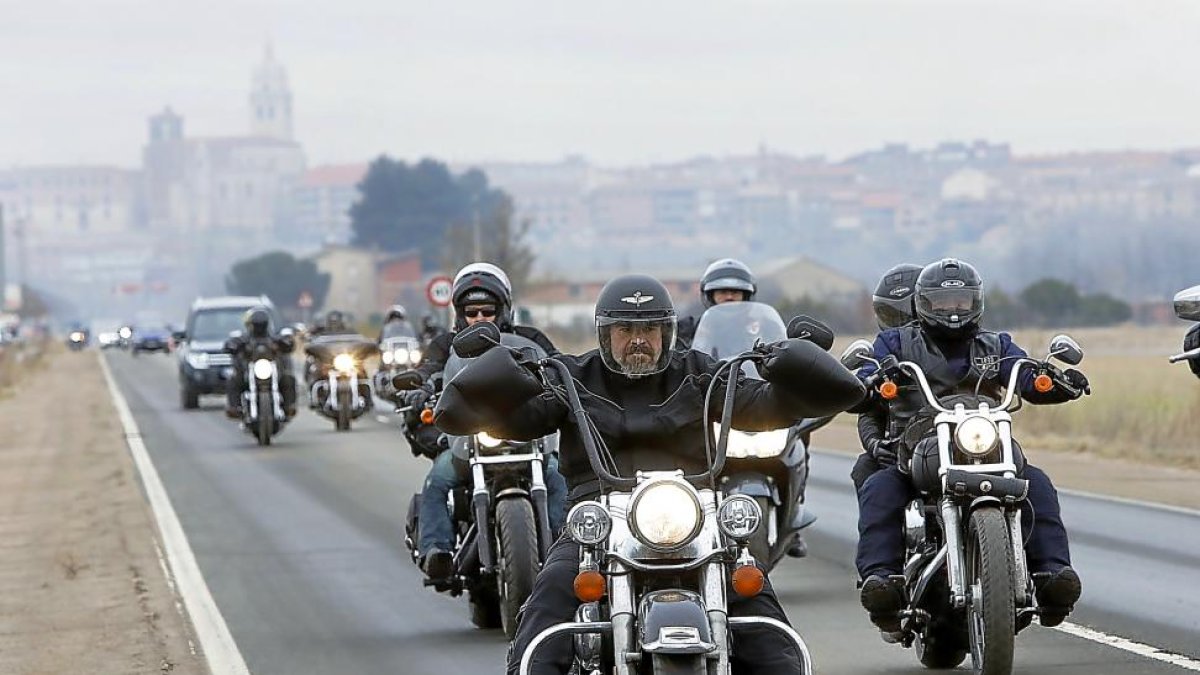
[{"x": 638, "y": 359}]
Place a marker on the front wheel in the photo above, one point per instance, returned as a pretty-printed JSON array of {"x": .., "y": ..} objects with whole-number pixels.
[
  {"x": 342, "y": 421},
  {"x": 516, "y": 534},
  {"x": 266, "y": 418},
  {"x": 991, "y": 605},
  {"x": 679, "y": 664}
]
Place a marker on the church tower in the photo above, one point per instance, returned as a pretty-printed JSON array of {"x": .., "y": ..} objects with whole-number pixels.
[{"x": 270, "y": 100}]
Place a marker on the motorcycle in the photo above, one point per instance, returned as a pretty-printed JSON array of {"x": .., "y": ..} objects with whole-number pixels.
[
  {"x": 967, "y": 585},
  {"x": 654, "y": 556},
  {"x": 77, "y": 340},
  {"x": 263, "y": 415},
  {"x": 1187, "y": 307},
  {"x": 336, "y": 375},
  {"x": 397, "y": 353},
  {"x": 770, "y": 467},
  {"x": 501, "y": 518}
]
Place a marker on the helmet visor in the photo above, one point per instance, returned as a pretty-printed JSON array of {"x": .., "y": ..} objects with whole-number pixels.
[
  {"x": 728, "y": 284},
  {"x": 636, "y": 347},
  {"x": 953, "y": 304},
  {"x": 892, "y": 313}
]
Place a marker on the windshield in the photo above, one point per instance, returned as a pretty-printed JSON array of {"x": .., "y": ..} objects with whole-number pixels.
[
  {"x": 215, "y": 324},
  {"x": 398, "y": 329},
  {"x": 730, "y": 329}
]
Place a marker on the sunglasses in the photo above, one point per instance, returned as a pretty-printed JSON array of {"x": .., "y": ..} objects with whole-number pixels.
[{"x": 485, "y": 313}]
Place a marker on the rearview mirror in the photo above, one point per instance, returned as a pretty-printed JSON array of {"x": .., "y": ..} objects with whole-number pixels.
[
  {"x": 857, "y": 354},
  {"x": 1066, "y": 349},
  {"x": 474, "y": 341},
  {"x": 1187, "y": 304},
  {"x": 805, "y": 327},
  {"x": 407, "y": 381}
]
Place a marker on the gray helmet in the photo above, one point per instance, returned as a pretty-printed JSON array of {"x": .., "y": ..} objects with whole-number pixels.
[
  {"x": 727, "y": 274},
  {"x": 396, "y": 312},
  {"x": 638, "y": 306},
  {"x": 893, "y": 297}
]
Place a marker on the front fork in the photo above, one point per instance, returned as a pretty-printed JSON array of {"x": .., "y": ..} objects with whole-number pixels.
[{"x": 956, "y": 569}]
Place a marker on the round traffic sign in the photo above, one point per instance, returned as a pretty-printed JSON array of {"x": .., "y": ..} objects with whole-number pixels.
[{"x": 438, "y": 291}]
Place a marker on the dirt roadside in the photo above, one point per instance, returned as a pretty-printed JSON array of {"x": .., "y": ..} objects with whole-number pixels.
[
  {"x": 82, "y": 588},
  {"x": 1069, "y": 470}
]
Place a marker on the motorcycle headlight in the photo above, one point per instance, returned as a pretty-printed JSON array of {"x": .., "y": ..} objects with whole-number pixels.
[
  {"x": 387, "y": 358},
  {"x": 400, "y": 355},
  {"x": 760, "y": 444},
  {"x": 263, "y": 369},
  {"x": 415, "y": 355},
  {"x": 739, "y": 517},
  {"x": 665, "y": 515},
  {"x": 344, "y": 363},
  {"x": 977, "y": 436},
  {"x": 76, "y": 337},
  {"x": 198, "y": 360},
  {"x": 588, "y": 523},
  {"x": 125, "y": 333},
  {"x": 487, "y": 440}
]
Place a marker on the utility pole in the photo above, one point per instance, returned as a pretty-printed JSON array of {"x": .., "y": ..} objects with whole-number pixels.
[{"x": 475, "y": 230}]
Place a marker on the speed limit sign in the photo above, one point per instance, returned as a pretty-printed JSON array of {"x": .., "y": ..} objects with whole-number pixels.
[{"x": 438, "y": 291}]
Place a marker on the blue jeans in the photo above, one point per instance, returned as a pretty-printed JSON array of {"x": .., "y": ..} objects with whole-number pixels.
[
  {"x": 437, "y": 525},
  {"x": 886, "y": 493}
]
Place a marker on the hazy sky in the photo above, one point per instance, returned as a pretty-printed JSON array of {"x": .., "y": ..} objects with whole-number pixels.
[{"x": 621, "y": 82}]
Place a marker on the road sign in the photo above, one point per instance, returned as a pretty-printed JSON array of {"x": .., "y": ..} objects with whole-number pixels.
[
  {"x": 305, "y": 301},
  {"x": 438, "y": 291}
]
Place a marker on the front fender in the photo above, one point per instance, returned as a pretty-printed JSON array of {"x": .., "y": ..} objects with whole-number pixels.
[
  {"x": 673, "y": 622},
  {"x": 751, "y": 485}
]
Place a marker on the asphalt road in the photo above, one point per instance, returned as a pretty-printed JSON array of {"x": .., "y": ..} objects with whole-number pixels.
[{"x": 302, "y": 547}]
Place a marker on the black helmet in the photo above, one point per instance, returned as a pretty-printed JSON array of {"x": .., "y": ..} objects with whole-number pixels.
[
  {"x": 893, "y": 297},
  {"x": 257, "y": 322},
  {"x": 396, "y": 313},
  {"x": 428, "y": 322},
  {"x": 727, "y": 275},
  {"x": 637, "y": 305},
  {"x": 949, "y": 299},
  {"x": 334, "y": 321},
  {"x": 482, "y": 284}
]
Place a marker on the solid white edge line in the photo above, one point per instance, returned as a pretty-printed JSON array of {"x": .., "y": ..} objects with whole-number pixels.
[
  {"x": 1130, "y": 646},
  {"x": 216, "y": 642}
]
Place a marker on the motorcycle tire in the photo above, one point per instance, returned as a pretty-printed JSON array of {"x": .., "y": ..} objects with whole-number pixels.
[
  {"x": 342, "y": 421},
  {"x": 266, "y": 418},
  {"x": 991, "y": 604},
  {"x": 940, "y": 650},
  {"x": 759, "y": 545},
  {"x": 517, "y": 555},
  {"x": 189, "y": 399},
  {"x": 485, "y": 610},
  {"x": 678, "y": 664}
]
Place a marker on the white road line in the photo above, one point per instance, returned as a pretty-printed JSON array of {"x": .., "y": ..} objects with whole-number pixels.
[
  {"x": 1129, "y": 646},
  {"x": 1170, "y": 508},
  {"x": 216, "y": 642}
]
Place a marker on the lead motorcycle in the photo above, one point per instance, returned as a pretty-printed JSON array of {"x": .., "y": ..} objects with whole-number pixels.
[
  {"x": 655, "y": 557},
  {"x": 967, "y": 586},
  {"x": 501, "y": 516},
  {"x": 770, "y": 467},
  {"x": 399, "y": 350},
  {"x": 263, "y": 415},
  {"x": 336, "y": 374},
  {"x": 1187, "y": 307}
]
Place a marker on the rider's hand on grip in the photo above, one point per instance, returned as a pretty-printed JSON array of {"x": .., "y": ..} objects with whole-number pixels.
[
  {"x": 1077, "y": 381},
  {"x": 883, "y": 450}
]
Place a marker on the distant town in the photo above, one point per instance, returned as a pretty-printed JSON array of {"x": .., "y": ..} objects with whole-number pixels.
[{"x": 157, "y": 235}]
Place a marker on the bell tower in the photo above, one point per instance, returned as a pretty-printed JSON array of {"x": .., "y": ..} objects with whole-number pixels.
[{"x": 270, "y": 100}]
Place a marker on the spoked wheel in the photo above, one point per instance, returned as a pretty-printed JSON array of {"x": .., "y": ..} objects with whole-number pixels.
[
  {"x": 266, "y": 418},
  {"x": 342, "y": 423},
  {"x": 516, "y": 534},
  {"x": 991, "y": 606}
]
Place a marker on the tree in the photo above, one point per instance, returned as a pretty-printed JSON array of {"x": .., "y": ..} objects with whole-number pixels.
[
  {"x": 1101, "y": 309},
  {"x": 425, "y": 206},
  {"x": 1052, "y": 301},
  {"x": 280, "y": 277},
  {"x": 1001, "y": 311},
  {"x": 501, "y": 241}
]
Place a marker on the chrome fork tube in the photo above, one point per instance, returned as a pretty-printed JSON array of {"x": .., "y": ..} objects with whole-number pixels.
[
  {"x": 621, "y": 609},
  {"x": 718, "y": 618},
  {"x": 955, "y": 560}
]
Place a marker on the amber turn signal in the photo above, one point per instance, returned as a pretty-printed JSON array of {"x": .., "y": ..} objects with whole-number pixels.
[
  {"x": 748, "y": 581},
  {"x": 888, "y": 390},
  {"x": 427, "y": 416},
  {"x": 1043, "y": 383},
  {"x": 589, "y": 586}
]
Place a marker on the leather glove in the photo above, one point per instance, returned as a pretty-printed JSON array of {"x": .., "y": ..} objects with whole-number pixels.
[
  {"x": 1078, "y": 381},
  {"x": 883, "y": 450},
  {"x": 416, "y": 399}
]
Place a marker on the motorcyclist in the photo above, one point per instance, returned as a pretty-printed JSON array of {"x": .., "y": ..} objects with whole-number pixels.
[
  {"x": 646, "y": 401},
  {"x": 430, "y": 330},
  {"x": 395, "y": 322},
  {"x": 955, "y": 354},
  {"x": 481, "y": 292},
  {"x": 726, "y": 280},
  {"x": 256, "y": 325},
  {"x": 893, "y": 305}
]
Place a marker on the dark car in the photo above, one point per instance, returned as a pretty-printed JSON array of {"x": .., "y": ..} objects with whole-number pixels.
[
  {"x": 204, "y": 367},
  {"x": 150, "y": 339}
]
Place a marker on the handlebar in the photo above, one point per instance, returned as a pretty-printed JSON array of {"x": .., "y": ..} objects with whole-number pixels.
[
  {"x": 1190, "y": 355},
  {"x": 1010, "y": 393}
]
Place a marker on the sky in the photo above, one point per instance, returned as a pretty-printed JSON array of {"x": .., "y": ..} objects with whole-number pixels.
[{"x": 620, "y": 82}]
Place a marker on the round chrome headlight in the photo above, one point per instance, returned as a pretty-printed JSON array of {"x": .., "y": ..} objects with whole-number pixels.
[
  {"x": 400, "y": 355},
  {"x": 977, "y": 436},
  {"x": 386, "y": 357},
  {"x": 588, "y": 523},
  {"x": 262, "y": 369},
  {"x": 665, "y": 515},
  {"x": 739, "y": 517},
  {"x": 487, "y": 440},
  {"x": 344, "y": 363}
]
